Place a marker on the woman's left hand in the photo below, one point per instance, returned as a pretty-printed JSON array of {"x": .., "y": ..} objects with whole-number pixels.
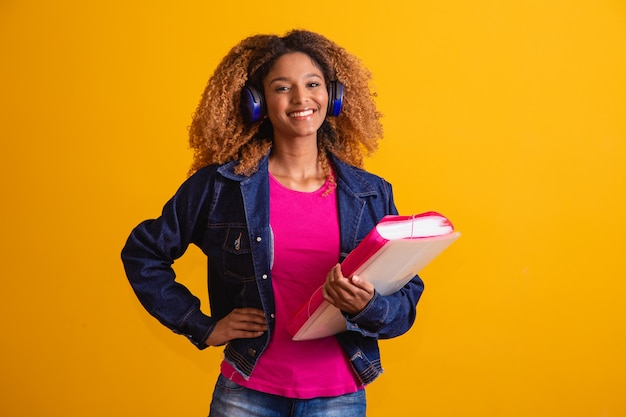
[{"x": 350, "y": 295}]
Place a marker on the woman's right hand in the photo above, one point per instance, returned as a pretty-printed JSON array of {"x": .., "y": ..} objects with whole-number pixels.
[{"x": 241, "y": 323}]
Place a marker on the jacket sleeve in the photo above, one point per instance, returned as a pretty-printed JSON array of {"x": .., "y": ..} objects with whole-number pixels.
[
  {"x": 388, "y": 316},
  {"x": 152, "y": 248}
]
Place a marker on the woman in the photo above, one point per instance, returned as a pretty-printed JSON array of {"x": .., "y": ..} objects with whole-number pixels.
[{"x": 275, "y": 200}]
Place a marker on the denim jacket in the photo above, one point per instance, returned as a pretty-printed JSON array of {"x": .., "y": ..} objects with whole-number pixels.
[{"x": 227, "y": 216}]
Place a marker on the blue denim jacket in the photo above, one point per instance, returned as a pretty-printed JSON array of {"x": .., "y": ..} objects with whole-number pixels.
[{"x": 227, "y": 216}]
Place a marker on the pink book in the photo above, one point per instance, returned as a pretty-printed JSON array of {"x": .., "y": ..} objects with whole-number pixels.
[{"x": 396, "y": 249}]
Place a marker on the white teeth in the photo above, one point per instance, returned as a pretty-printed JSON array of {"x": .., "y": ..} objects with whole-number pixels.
[{"x": 302, "y": 113}]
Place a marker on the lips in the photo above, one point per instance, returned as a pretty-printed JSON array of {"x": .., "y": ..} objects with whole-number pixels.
[{"x": 303, "y": 113}]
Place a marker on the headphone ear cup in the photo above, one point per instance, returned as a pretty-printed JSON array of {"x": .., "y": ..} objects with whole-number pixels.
[
  {"x": 252, "y": 105},
  {"x": 335, "y": 98}
]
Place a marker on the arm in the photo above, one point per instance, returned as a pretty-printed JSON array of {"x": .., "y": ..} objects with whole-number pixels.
[
  {"x": 367, "y": 311},
  {"x": 149, "y": 253}
]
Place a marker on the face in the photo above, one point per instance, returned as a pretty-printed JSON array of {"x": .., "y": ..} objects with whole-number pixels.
[{"x": 296, "y": 97}]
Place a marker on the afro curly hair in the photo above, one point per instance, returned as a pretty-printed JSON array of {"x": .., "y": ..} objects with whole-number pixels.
[{"x": 219, "y": 134}]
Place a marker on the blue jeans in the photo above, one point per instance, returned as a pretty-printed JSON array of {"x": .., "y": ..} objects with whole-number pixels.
[{"x": 233, "y": 400}]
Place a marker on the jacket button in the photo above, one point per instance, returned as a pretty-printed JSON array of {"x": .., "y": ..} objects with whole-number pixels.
[
  {"x": 252, "y": 352},
  {"x": 258, "y": 239},
  {"x": 264, "y": 276}
]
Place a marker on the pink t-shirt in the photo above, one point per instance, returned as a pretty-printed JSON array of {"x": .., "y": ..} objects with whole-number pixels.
[{"x": 306, "y": 247}]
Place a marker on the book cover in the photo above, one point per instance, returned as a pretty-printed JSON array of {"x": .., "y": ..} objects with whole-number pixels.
[{"x": 394, "y": 251}]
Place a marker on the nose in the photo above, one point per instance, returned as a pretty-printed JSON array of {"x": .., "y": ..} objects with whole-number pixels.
[{"x": 298, "y": 94}]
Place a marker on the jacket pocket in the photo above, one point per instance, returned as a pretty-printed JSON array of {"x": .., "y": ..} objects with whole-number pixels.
[{"x": 237, "y": 254}]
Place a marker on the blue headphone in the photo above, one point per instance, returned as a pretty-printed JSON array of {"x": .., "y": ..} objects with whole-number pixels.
[{"x": 253, "y": 105}]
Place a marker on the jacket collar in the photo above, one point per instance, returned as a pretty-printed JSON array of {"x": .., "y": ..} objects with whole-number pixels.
[
  {"x": 352, "y": 179},
  {"x": 228, "y": 170}
]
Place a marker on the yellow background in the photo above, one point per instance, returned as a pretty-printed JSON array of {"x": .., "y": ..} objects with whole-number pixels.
[{"x": 507, "y": 116}]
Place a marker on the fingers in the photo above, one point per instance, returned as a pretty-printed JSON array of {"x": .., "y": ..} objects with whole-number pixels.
[
  {"x": 336, "y": 282},
  {"x": 247, "y": 320},
  {"x": 248, "y": 315},
  {"x": 348, "y": 294},
  {"x": 363, "y": 285},
  {"x": 241, "y": 323},
  {"x": 332, "y": 285}
]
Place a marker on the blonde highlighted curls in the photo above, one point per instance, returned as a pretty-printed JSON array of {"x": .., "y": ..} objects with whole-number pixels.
[{"x": 218, "y": 133}]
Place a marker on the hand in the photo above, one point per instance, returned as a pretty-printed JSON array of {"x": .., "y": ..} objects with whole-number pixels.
[
  {"x": 350, "y": 295},
  {"x": 241, "y": 323}
]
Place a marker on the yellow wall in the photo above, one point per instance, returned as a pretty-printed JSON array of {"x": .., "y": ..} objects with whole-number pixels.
[{"x": 508, "y": 116}]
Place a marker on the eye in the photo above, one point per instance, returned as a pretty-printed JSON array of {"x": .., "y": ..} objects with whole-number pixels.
[
  {"x": 281, "y": 88},
  {"x": 314, "y": 84}
]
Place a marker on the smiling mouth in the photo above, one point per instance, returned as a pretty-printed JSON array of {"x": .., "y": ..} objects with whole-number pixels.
[{"x": 304, "y": 113}]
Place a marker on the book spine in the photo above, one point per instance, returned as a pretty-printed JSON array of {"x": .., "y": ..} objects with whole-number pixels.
[{"x": 365, "y": 250}]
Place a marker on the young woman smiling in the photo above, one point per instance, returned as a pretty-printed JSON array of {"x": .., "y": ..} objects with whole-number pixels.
[{"x": 277, "y": 197}]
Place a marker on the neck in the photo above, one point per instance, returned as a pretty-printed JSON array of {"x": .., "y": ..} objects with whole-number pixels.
[{"x": 297, "y": 169}]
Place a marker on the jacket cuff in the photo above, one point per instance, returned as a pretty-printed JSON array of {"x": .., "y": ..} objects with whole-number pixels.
[
  {"x": 196, "y": 326},
  {"x": 371, "y": 318}
]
